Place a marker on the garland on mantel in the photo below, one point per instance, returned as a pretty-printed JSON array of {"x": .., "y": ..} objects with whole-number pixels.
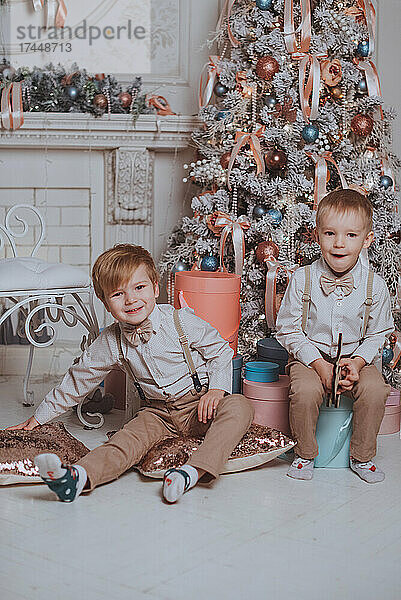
[{"x": 53, "y": 89}]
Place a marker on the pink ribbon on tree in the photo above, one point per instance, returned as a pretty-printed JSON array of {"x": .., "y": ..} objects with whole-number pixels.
[
  {"x": 226, "y": 12},
  {"x": 12, "y": 115},
  {"x": 206, "y": 90},
  {"x": 273, "y": 268},
  {"x": 60, "y": 15},
  {"x": 305, "y": 28},
  {"x": 309, "y": 91},
  {"x": 365, "y": 11},
  {"x": 321, "y": 161},
  {"x": 372, "y": 78},
  {"x": 242, "y": 138},
  {"x": 234, "y": 227}
]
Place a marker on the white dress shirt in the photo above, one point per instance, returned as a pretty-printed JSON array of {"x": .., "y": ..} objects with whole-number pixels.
[
  {"x": 158, "y": 364},
  {"x": 333, "y": 314}
]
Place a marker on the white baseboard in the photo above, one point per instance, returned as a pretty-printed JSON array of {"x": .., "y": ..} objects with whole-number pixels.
[{"x": 53, "y": 360}]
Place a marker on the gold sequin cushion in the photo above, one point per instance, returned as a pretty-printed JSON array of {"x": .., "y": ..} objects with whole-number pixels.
[
  {"x": 259, "y": 445},
  {"x": 18, "y": 448}
]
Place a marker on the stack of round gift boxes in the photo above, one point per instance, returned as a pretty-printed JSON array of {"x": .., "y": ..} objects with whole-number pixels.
[{"x": 266, "y": 385}]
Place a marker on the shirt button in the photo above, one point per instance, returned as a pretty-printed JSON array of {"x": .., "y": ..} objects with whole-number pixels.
[{"x": 339, "y": 303}]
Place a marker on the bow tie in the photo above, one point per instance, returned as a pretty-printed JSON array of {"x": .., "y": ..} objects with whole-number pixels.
[
  {"x": 137, "y": 333},
  {"x": 329, "y": 283}
]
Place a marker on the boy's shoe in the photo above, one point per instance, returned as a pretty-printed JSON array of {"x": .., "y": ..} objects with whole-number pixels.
[
  {"x": 301, "y": 468},
  {"x": 66, "y": 482},
  {"x": 367, "y": 471}
]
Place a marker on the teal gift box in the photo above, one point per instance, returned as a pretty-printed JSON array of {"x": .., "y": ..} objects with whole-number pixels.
[{"x": 261, "y": 371}]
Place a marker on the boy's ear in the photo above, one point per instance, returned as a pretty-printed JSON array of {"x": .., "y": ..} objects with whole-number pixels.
[
  {"x": 157, "y": 290},
  {"x": 369, "y": 239}
]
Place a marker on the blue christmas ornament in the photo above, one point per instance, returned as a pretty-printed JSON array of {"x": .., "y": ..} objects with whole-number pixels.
[
  {"x": 270, "y": 102},
  {"x": 387, "y": 355},
  {"x": 264, "y": 4},
  {"x": 180, "y": 266},
  {"x": 72, "y": 92},
  {"x": 386, "y": 182},
  {"x": 275, "y": 215},
  {"x": 310, "y": 133},
  {"x": 220, "y": 89},
  {"x": 210, "y": 263},
  {"x": 363, "y": 49},
  {"x": 258, "y": 211},
  {"x": 362, "y": 86}
]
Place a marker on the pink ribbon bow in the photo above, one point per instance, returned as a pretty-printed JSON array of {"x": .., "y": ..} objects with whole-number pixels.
[
  {"x": 206, "y": 90},
  {"x": 372, "y": 78},
  {"x": 60, "y": 16},
  {"x": 305, "y": 28},
  {"x": 160, "y": 104},
  {"x": 236, "y": 227},
  {"x": 309, "y": 91},
  {"x": 242, "y": 138},
  {"x": 321, "y": 175},
  {"x": 12, "y": 115},
  {"x": 226, "y": 12},
  {"x": 273, "y": 268},
  {"x": 365, "y": 11}
]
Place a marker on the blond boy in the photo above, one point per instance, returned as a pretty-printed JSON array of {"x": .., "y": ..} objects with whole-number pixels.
[
  {"x": 144, "y": 342},
  {"x": 338, "y": 299}
]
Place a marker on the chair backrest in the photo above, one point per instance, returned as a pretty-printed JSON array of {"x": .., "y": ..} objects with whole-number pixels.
[{"x": 8, "y": 233}]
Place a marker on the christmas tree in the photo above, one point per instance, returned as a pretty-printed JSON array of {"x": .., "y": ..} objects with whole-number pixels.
[{"x": 291, "y": 108}]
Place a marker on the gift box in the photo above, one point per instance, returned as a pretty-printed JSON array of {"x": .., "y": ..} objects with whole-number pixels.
[
  {"x": 262, "y": 371},
  {"x": 269, "y": 349},
  {"x": 270, "y": 401},
  {"x": 214, "y": 297},
  {"x": 333, "y": 434},
  {"x": 238, "y": 362},
  {"x": 391, "y": 420},
  {"x": 394, "y": 398}
]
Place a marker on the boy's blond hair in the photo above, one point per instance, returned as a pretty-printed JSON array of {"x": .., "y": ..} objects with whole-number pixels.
[
  {"x": 116, "y": 265},
  {"x": 345, "y": 201}
]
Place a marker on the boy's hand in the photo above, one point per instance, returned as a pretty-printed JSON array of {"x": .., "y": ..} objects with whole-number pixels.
[
  {"x": 27, "y": 425},
  {"x": 208, "y": 404},
  {"x": 350, "y": 368},
  {"x": 325, "y": 371}
]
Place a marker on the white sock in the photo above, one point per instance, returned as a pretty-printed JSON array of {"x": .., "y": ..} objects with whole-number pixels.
[
  {"x": 51, "y": 470},
  {"x": 174, "y": 483}
]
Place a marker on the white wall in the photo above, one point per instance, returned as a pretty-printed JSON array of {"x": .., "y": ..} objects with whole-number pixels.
[{"x": 389, "y": 60}]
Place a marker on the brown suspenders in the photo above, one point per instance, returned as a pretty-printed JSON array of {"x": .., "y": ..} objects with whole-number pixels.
[{"x": 185, "y": 348}]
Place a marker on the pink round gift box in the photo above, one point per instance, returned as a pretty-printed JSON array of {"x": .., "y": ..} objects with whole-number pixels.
[
  {"x": 392, "y": 414},
  {"x": 270, "y": 401}
]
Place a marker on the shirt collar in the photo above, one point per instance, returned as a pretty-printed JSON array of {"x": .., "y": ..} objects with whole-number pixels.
[
  {"x": 156, "y": 318},
  {"x": 356, "y": 270}
]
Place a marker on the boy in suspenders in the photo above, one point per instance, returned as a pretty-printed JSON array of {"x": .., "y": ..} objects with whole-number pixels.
[
  {"x": 181, "y": 367},
  {"x": 337, "y": 294}
]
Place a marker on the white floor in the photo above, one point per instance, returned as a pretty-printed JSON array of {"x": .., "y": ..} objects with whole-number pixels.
[{"x": 254, "y": 534}]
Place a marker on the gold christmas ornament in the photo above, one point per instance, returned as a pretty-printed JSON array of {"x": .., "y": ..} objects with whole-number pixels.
[
  {"x": 100, "y": 101},
  {"x": 125, "y": 99}
]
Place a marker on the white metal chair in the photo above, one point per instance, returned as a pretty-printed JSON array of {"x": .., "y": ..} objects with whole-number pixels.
[{"x": 36, "y": 286}]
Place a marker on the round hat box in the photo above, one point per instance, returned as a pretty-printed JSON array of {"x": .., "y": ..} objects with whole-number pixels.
[{"x": 270, "y": 401}]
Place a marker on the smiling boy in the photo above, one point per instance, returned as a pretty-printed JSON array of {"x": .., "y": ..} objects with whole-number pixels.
[
  {"x": 345, "y": 297},
  {"x": 145, "y": 342}
]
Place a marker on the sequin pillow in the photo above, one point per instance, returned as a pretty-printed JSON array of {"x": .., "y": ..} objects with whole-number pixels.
[
  {"x": 18, "y": 448},
  {"x": 258, "y": 446}
]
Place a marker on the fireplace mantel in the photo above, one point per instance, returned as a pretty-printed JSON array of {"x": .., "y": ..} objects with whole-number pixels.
[{"x": 82, "y": 131}]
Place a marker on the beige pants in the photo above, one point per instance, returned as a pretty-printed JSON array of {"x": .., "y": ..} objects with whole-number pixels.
[
  {"x": 160, "y": 420},
  {"x": 306, "y": 395}
]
